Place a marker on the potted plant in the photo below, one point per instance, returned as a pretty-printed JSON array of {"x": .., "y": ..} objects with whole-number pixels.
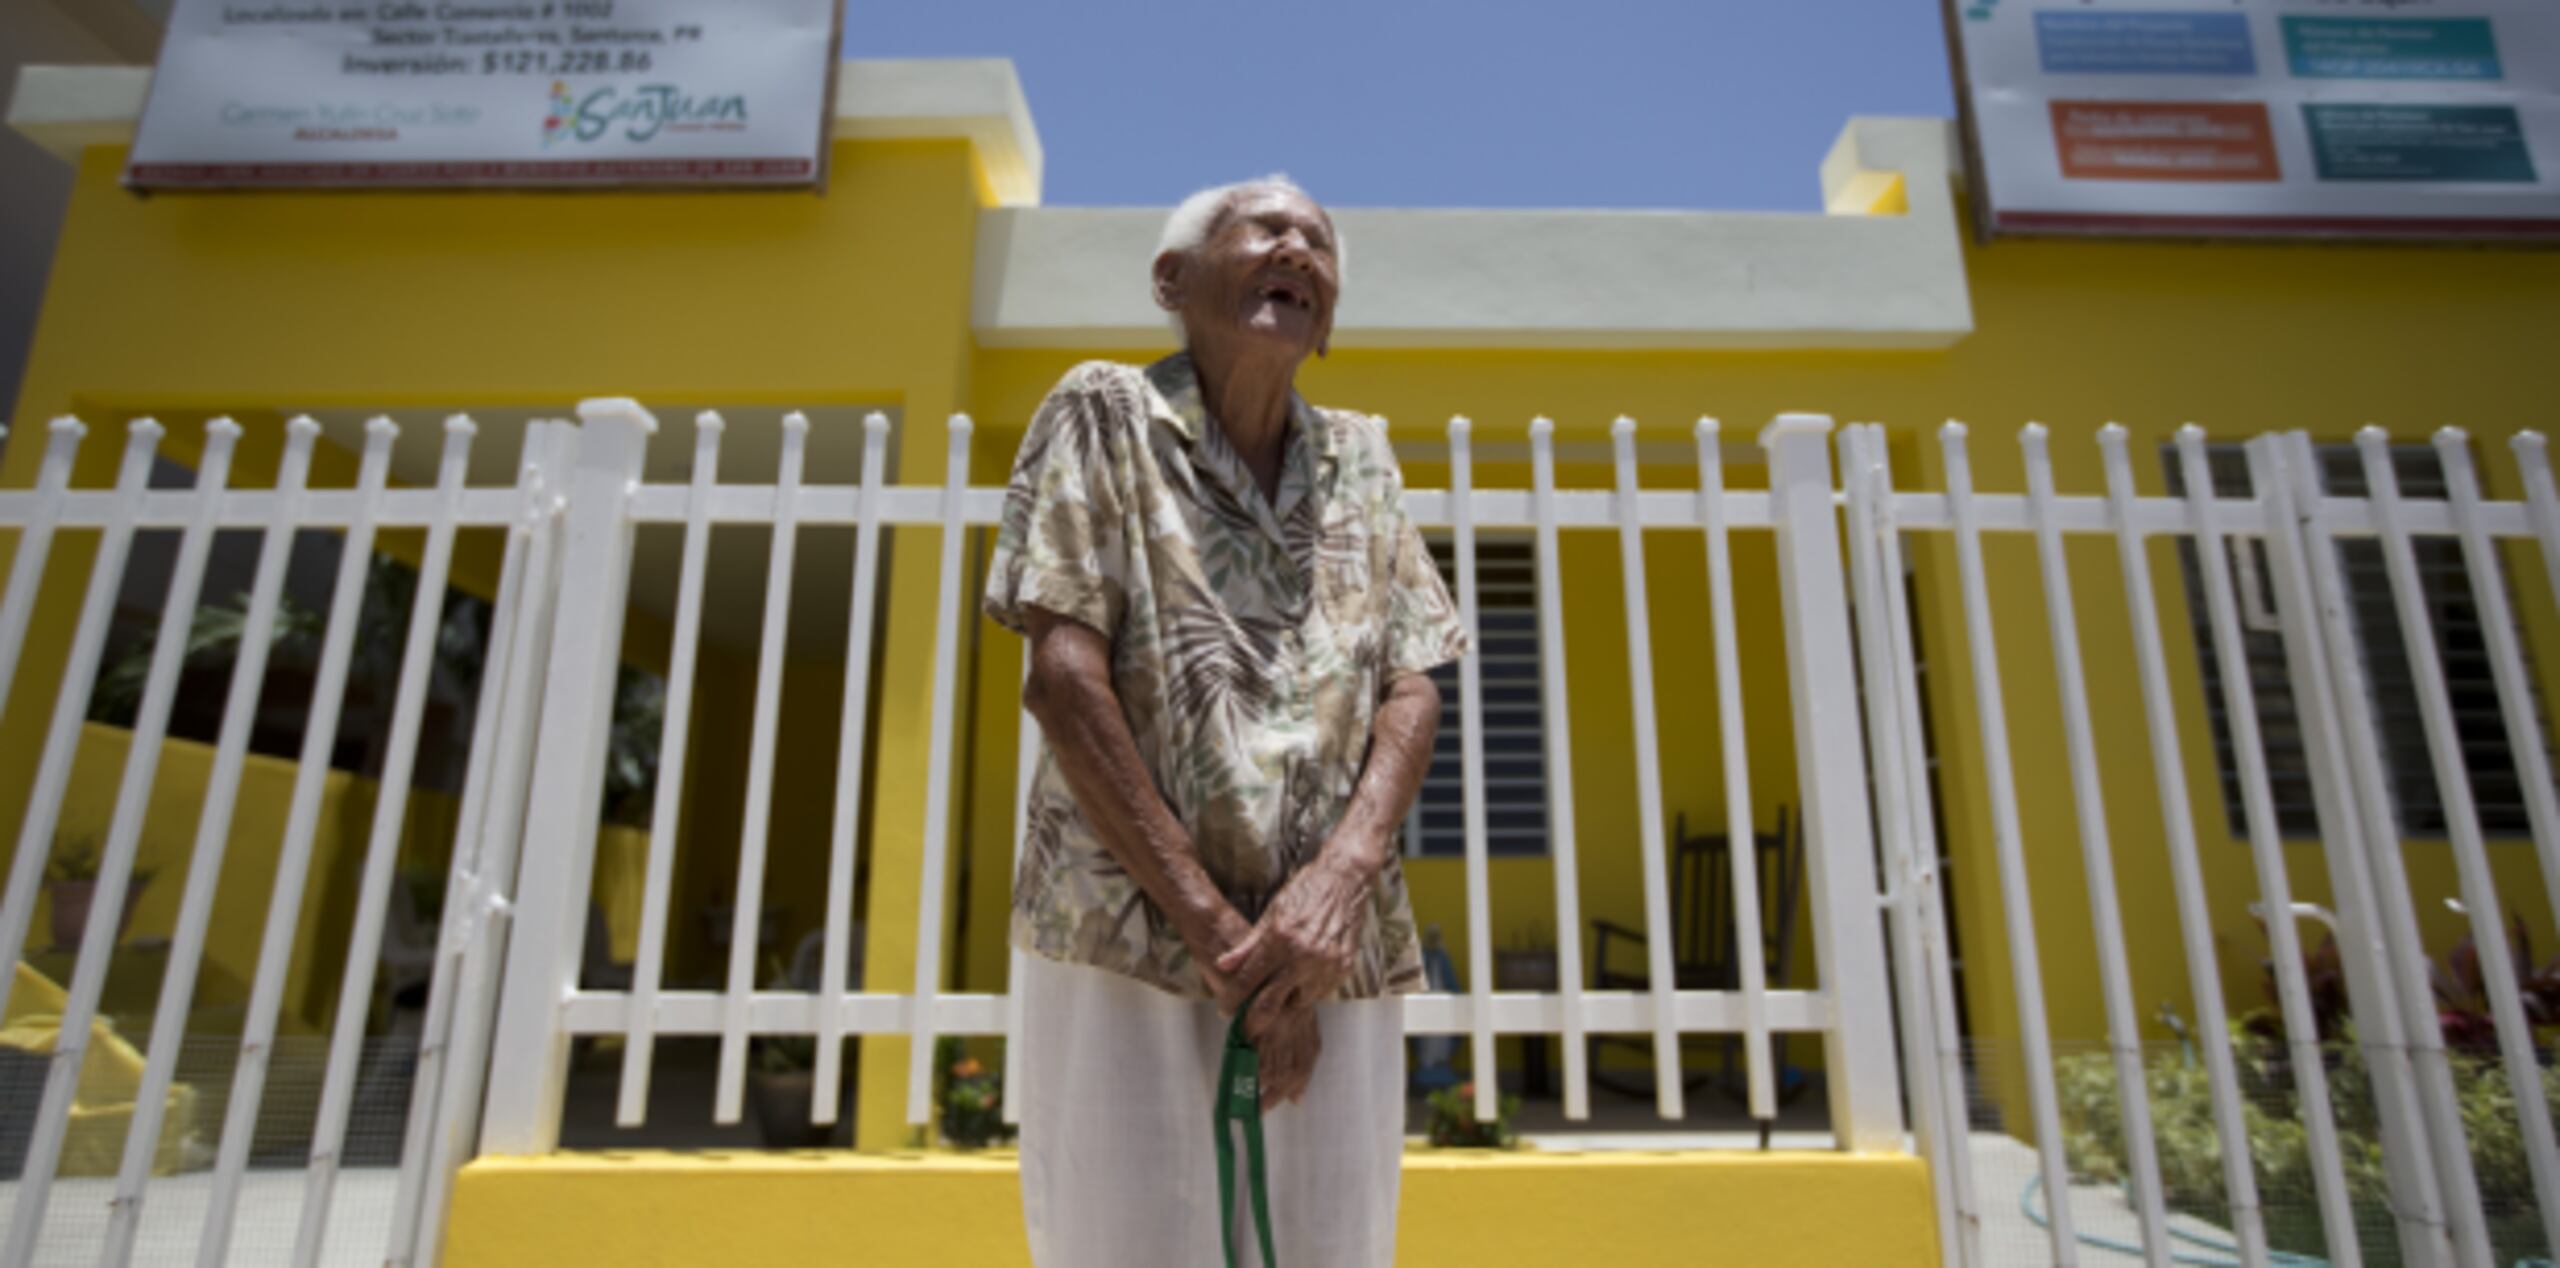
[
  {"x": 781, "y": 1081},
  {"x": 971, "y": 1101},
  {"x": 783, "y": 1075},
  {"x": 1454, "y": 1124},
  {"x": 213, "y": 642},
  {"x": 71, "y": 881}
]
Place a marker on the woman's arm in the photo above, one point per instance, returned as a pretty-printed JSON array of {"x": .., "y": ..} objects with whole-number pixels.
[{"x": 1069, "y": 690}]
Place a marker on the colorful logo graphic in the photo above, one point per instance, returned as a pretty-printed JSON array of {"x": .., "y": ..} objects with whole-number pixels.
[
  {"x": 555, "y": 120},
  {"x": 638, "y": 112}
]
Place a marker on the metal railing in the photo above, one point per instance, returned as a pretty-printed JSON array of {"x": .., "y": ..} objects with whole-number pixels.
[
  {"x": 505, "y": 994},
  {"x": 2434, "y": 1200},
  {"x": 40, "y": 516},
  {"x": 541, "y": 1010}
]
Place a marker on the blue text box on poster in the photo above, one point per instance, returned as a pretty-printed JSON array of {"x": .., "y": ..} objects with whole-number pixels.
[
  {"x": 2392, "y": 48},
  {"x": 2144, "y": 44}
]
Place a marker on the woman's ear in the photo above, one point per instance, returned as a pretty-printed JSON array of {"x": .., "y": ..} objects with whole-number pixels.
[{"x": 1168, "y": 281}]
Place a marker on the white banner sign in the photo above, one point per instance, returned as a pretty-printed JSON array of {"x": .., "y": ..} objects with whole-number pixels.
[
  {"x": 2425, "y": 118},
  {"x": 489, "y": 92}
]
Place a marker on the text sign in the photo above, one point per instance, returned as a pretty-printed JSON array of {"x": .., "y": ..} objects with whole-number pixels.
[
  {"x": 510, "y": 92},
  {"x": 2439, "y": 118}
]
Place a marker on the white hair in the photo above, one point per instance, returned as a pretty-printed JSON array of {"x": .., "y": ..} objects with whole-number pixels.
[{"x": 1197, "y": 217}]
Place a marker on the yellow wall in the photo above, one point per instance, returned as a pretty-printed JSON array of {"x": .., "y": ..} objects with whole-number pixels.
[
  {"x": 249, "y": 866},
  {"x": 277, "y": 301},
  {"x": 1480, "y": 1210}
]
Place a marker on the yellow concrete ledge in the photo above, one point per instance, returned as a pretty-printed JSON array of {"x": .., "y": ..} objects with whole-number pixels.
[{"x": 1624, "y": 1209}]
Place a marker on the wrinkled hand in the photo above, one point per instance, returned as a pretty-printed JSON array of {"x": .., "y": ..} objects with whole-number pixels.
[
  {"x": 1210, "y": 940},
  {"x": 1289, "y": 1046},
  {"x": 1303, "y": 948}
]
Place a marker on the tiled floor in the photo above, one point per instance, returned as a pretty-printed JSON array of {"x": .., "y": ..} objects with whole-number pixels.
[{"x": 173, "y": 1219}]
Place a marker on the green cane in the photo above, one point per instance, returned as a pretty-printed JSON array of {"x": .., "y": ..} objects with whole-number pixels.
[{"x": 1240, "y": 1102}]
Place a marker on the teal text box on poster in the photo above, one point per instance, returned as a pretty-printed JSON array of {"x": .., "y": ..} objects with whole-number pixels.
[
  {"x": 2418, "y": 143},
  {"x": 2392, "y": 48}
]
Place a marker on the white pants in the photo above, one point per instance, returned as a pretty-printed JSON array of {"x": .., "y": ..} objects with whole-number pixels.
[{"x": 1119, "y": 1155}]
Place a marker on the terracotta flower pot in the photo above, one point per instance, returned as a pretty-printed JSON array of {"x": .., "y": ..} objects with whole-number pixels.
[
  {"x": 71, "y": 901},
  {"x": 781, "y": 1099}
]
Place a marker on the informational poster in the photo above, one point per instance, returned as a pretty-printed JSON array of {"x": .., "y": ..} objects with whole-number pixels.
[
  {"x": 489, "y": 92},
  {"x": 2231, "y": 118}
]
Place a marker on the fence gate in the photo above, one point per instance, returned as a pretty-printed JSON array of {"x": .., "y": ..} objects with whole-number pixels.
[
  {"x": 218, "y": 1208},
  {"x": 2338, "y": 578}
]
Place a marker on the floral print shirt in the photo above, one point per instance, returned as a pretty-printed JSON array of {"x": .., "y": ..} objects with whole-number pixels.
[{"x": 1251, "y": 641}]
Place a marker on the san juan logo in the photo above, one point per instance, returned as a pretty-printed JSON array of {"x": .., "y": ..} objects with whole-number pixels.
[
  {"x": 556, "y": 120},
  {"x": 637, "y": 113}
]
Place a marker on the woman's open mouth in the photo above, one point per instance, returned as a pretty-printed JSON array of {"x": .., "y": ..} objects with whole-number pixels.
[{"x": 1288, "y": 291}]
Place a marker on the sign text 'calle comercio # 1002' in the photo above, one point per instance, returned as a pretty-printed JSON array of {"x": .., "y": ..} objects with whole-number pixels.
[{"x": 448, "y": 92}]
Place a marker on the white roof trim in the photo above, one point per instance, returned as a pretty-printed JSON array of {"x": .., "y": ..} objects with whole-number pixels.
[
  {"x": 67, "y": 109},
  {"x": 1077, "y": 278}
]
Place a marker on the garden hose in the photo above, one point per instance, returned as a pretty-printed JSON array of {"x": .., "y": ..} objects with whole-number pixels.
[{"x": 2280, "y": 1258}]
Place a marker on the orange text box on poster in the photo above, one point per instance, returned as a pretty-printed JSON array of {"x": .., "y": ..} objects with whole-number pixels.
[{"x": 2164, "y": 140}]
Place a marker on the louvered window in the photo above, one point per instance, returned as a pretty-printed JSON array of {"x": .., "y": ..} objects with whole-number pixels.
[
  {"x": 2393, "y": 694},
  {"x": 1515, "y": 754}
]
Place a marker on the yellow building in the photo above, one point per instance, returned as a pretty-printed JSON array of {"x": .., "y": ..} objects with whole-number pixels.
[{"x": 928, "y": 280}]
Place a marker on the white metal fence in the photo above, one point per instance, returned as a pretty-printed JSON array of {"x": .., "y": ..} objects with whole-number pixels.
[
  {"x": 505, "y": 991},
  {"x": 2434, "y": 1202},
  {"x": 540, "y": 1010},
  {"x": 115, "y": 516}
]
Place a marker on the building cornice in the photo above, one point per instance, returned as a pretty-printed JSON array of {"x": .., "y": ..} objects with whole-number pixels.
[{"x": 1882, "y": 267}]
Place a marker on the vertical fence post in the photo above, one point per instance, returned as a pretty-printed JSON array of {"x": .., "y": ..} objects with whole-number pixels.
[
  {"x": 950, "y": 601},
  {"x": 547, "y": 937},
  {"x": 1662, "y": 989},
  {"x": 1462, "y": 528},
  {"x": 1840, "y": 870},
  {"x": 850, "y": 763},
  {"x": 1937, "y": 1120},
  {"x": 443, "y": 1073},
  {"x": 746, "y": 904},
  {"x": 648, "y": 968},
  {"x": 479, "y": 904},
  {"x": 1559, "y": 749},
  {"x": 1926, "y": 904},
  {"x": 2411, "y": 1089}
]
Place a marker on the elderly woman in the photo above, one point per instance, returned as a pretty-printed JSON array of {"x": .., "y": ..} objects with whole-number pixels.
[{"x": 1230, "y": 622}]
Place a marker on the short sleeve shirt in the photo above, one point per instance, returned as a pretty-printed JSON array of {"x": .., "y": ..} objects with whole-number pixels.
[{"x": 1251, "y": 641}]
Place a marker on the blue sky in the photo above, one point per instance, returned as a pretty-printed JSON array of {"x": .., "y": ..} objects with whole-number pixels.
[{"x": 1702, "y": 104}]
